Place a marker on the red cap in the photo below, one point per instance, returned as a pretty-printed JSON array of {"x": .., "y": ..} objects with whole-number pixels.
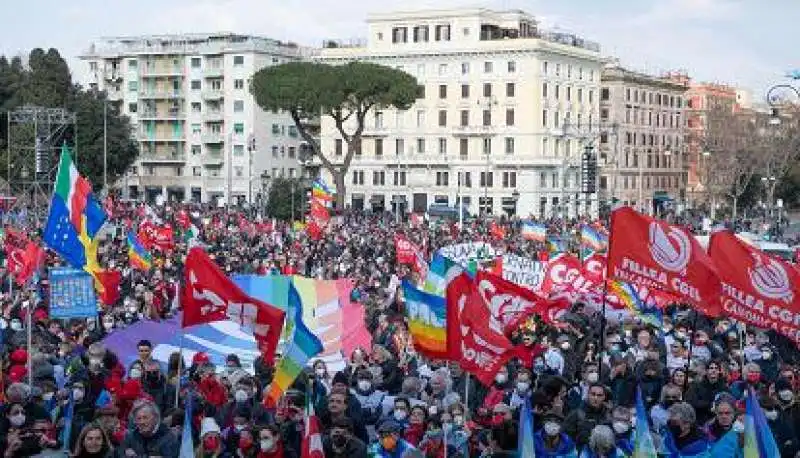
[
  {"x": 40, "y": 315},
  {"x": 17, "y": 373},
  {"x": 200, "y": 358},
  {"x": 19, "y": 356}
]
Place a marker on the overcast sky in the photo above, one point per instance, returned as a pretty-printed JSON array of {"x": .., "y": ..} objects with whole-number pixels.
[{"x": 748, "y": 43}]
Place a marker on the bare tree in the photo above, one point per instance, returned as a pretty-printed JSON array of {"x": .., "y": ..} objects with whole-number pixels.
[{"x": 782, "y": 149}]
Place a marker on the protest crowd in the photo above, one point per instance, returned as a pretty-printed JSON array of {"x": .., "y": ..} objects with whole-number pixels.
[{"x": 579, "y": 383}]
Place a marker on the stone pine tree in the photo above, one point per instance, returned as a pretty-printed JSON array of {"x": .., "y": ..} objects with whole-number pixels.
[
  {"x": 44, "y": 80},
  {"x": 346, "y": 93}
]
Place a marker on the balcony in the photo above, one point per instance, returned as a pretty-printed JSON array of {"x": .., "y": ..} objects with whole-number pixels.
[
  {"x": 473, "y": 131},
  {"x": 214, "y": 116},
  {"x": 375, "y": 132},
  {"x": 153, "y": 71},
  {"x": 163, "y": 157},
  {"x": 162, "y": 115},
  {"x": 213, "y": 72},
  {"x": 213, "y": 159},
  {"x": 213, "y": 94},
  {"x": 157, "y": 94},
  {"x": 145, "y": 135},
  {"x": 213, "y": 138},
  {"x": 113, "y": 75}
]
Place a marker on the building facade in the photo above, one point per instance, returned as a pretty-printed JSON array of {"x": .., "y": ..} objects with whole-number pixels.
[
  {"x": 202, "y": 137},
  {"x": 506, "y": 112},
  {"x": 642, "y": 143}
]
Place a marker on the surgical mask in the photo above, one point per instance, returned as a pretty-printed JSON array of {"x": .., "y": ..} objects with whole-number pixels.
[
  {"x": 766, "y": 354},
  {"x": 680, "y": 335},
  {"x": 458, "y": 420},
  {"x": 267, "y": 444},
  {"x": 108, "y": 325},
  {"x": 551, "y": 428},
  {"x": 77, "y": 394},
  {"x": 136, "y": 373},
  {"x": 400, "y": 415},
  {"x": 433, "y": 410},
  {"x": 738, "y": 426},
  {"x": 239, "y": 428},
  {"x": 592, "y": 377},
  {"x": 16, "y": 325},
  {"x": 621, "y": 427},
  {"x": 615, "y": 347},
  {"x": 364, "y": 385},
  {"x": 523, "y": 386},
  {"x": 786, "y": 395},
  {"x": 565, "y": 345},
  {"x": 501, "y": 378},
  {"x": 320, "y": 372},
  {"x": 17, "y": 420},
  {"x": 48, "y": 396},
  {"x": 240, "y": 396},
  {"x": 771, "y": 414}
]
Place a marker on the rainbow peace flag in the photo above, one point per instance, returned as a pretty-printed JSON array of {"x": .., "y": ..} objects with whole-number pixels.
[
  {"x": 427, "y": 321},
  {"x": 556, "y": 245},
  {"x": 139, "y": 257},
  {"x": 525, "y": 443},
  {"x": 643, "y": 446},
  {"x": 441, "y": 272},
  {"x": 758, "y": 439},
  {"x": 593, "y": 239},
  {"x": 319, "y": 190},
  {"x": 533, "y": 231},
  {"x": 302, "y": 346},
  {"x": 630, "y": 298}
]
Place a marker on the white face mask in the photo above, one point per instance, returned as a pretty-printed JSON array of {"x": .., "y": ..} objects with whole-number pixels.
[
  {"x": 738, "y": 426},
  {"x": 17, "y": 420},
  {"x": 400, "y": 415},
  {"x": 501, "y": 378},
  {"x": 565, "y": 345},
  {"x": 458, "y": 420},
  {"x": 240, "y": 396},
  {"x": 320, "y": 372},
  {"x": 523, "y": 386},
  {"x": 771, "y": 414},
  {"x": 786, "y": 395},
  {"x": 16, "y": 325},
  {"x": 77, "y": 394},
  {"x": 135, "y": 373},
  {"x": 47, "y": 396},
  {"x": 364, "y": 385},
  {"x": 592, "y": 377},
  {"x": 766, "y": 354},
  {"x": 267, "y": 444},
  {"x": 621, "y": 427},
  {"x": 551, "y": 428},
  {"x": 108, "y": 325}
]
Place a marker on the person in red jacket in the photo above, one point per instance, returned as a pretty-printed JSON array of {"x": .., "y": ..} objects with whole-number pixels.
[{"x": 211, "y": 389}]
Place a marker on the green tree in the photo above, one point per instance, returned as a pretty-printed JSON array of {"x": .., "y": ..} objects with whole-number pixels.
[
  {"x": 346, "y": 93},
  {"x": 286, "y": 196},
  {"x": 46, "y": 82}
]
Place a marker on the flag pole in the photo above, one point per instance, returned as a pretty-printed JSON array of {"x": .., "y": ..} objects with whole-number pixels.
[
  {"x": 691, "y": 347},
  {"x": 30, "y": 341},
  {"x": 466, "y": 395},
  {"x": 178, "y": 375}
]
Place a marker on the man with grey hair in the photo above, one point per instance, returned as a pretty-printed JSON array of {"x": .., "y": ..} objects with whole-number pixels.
[
  {"x": 684, "y": 438},
  {"x": 149, "y": 437},
  {"x": 602, "y": 442}
]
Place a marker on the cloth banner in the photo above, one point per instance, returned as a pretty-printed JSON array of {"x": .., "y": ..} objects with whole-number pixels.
[{"x": 72, "y": 294}]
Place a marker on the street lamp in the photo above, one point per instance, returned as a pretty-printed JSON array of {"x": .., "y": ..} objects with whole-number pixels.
[
  {"x": 779, "y": 95},
  {"x": 515, "y": 196}
]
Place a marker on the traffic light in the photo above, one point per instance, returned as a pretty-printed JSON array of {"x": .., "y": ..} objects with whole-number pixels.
[{"x": 588, "y": 171}]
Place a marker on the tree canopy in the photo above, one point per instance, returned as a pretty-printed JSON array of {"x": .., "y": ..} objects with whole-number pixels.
[
  {"x": 44, "y": 80},
  {"x": 281, "y": 200},
  {"x": 346, "y": 93}
]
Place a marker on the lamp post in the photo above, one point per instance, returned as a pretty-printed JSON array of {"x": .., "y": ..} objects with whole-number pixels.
[
  {"x": 779, "y": 95},
  {"x": 515, "y": 196}
]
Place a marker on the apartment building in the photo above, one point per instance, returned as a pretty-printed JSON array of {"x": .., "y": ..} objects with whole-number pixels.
[
  {"x": 642, "y": 143},
  {"x": 202, "y": 137},
  {"x": 506, "y": 112}
]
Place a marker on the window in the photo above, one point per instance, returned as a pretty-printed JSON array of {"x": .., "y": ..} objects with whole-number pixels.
[
  {"x": 197, "y": 171},
  {"x": 378, "y": 147},
  {"x": 276, "y": 129},
  {"x": 421, "y": 145},
  {"x": 487, "y": 89},
  {"x": 509, "y": 179},
  {"x": 292, "y": 152},
  {"x": 293, "y": 131},
  {"x": 487, "y": 146},
  {"x": 442, "y": 118},
  {"x": 238, "y": 61},
  {"x": 196, "y": 62},
  {"x": 545, "y": 147},
  {"x": 421, "y": 33},
  {"x": 196, "y": 150},
  {"x": 400, "y": 178},
  {"x": 442, "y": 69},
  {"x": 420, "y": 118},
  {"x": 544, "y": 67},
  {"x": 239, "y": 170},
  {"x": 542, "y": 180},
  {"x": 465, "y": 91},
  {"x": 238, "y": 150},
  {"x": 512, "y": 66},
  {"x": 464, "y": 118},
  {"x": 465, "y": 180},
  {"x": 442, "y": 146},
  {"x": 510, "y": 145},
  {"x": 178, "y": 171},
  {"x": 442, "y": 178},
  {"x": 196, "y": 128},
  {"x": 463, "y": 147},
  {"x": 238, "y": 106},
  {"x": 379, "y": 120},
  {"x": 399, "y": 146},
  {"x": 238, "y": 84},
  {"x": 378, "y": 178},
  {"x": 580, "y": 95},
  {"x": 558, "y": 69},
  {"x": 421, "y": 90},
  {"x": 569, "y": 94},
  {"x": 338, "y": 147},
  {"x": 442, "y": 33},
  {"x": 487, "y": 117},
  {"x": 544, "y": 90},
  {"x": 604, "y": 93},
  {"x": 487, "y": 179},
  {"x": 511, "y": 89},
  {"x": 569, "y": 71},
  {"x": 132, "y": 64},
  {"x": 133, "y": 107},
  {"x": 133, "y": 86},
  {"x": 509, "y": 116},
  {"x": 442, "y": 91},
  {"x": 195, "y": 85},
  {"x": 604, "y": 114},
  {"x": 558, "y": 92},
  {"x": 487, "y": 67},
  {"x": 400, "y": 35},
  {"x": 464, "y": 68},
  {"x": 544, "y": 118}
]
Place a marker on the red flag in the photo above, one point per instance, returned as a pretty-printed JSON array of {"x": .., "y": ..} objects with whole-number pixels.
[
  {"x": 208, "y": 295},
  {"x": 481, "y": 349},
  {"x": 314, "y": 230},
  {"x": 23, "y": 257},
  {"x": 594, "y": 267},
  {"x": 312, "y": 437},
  {"x": 757, "y": 288},
  {"x": 509, "y": 304},
  {"x": 497, "y": 231},
  {"x": 183, "y": 219},
  {"x": 650, "y": 252},
  {"x": 405, "y": 250},
  {"x": 109, "y": 286},
  {"x": 156, "y": 237},
  {"x": 564, "y": 273}
]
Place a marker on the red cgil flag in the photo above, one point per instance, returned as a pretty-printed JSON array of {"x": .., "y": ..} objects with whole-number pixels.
[
  {"x": 649, "y": 252},
  {"x": 509, "y": 304}
]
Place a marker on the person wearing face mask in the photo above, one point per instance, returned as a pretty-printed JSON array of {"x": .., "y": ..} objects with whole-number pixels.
[
  {"x": 270, "y": 444},
  {"x": 211, "y": 444},
  {"x": 702, "y": 392},
  {"x": 623, "y": 432},
  {"x": 243, "y": 398},
  {"x": 576, "y": 395},
  {"x": 550, "y": 441},
  {"x": 724, "y": 416},
  {"x": 340, "y": 442},
  {"x": 580, "y": 422},
  {"x": 769, "y": 363},
  {"x": 495, "y": 395},
  {"x": 782, "y": 429},
  {"x": 389, "y": 443},
  {"x": 83, "y": 410},
  {"x": 751, "y": 379},
  {"x": 321, "y": 375},
  {"x": 433, "y": 443},
  {"x": 457, "y": 432},
  {"x": 682, "y": 437},
  {"x": 786, "y": 401},
  {"x": 369, "y": 398},
  {"x": 659, "y": 413},
  {"x": 522, "y": 389}
]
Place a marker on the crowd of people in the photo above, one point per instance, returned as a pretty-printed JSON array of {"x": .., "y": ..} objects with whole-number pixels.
[{"x": 694, "y": 373}]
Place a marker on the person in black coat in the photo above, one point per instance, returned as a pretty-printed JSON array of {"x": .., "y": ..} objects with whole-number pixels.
[
  {"x": 341, "y": 443},
  {"x": 782, "y": 428},
  {"x": 702, "y": 392}
]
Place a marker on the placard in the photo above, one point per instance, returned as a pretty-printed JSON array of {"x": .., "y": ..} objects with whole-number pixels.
[
  {"x": 523, "y": 271},
  {"x": 462, "y": 253},
  {"x": 72, "y": 294}
]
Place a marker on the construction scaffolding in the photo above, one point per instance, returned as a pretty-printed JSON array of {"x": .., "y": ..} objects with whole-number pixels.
[{"x": 35, "y": 136}]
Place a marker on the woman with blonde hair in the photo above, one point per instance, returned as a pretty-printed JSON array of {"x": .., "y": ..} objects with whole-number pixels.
[{"x": 93, "y": 442}]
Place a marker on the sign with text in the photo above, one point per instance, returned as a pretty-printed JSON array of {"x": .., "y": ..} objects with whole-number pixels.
[
  {"x": 72, "y": 294},
  {"x": 462, "y": 253},
  {"x": 523, "y": 271}
]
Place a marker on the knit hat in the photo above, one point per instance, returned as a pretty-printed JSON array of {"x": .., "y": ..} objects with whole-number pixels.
[
  {"x": 17, "y": 373},
  {"x": 39, "y": 315},
  {"x": 19, "y": 356},
  {"x": 208, "y": 425}
]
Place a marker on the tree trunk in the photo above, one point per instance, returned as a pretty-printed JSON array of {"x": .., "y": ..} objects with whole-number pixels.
[
  {"x": 341, "y": 189},
  {"x": 735, "y": 204}
]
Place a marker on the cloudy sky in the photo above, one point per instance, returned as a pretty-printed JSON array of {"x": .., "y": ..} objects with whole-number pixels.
[{"x": 748, "y": 43}]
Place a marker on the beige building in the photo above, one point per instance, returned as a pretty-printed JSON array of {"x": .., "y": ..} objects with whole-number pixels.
[
  {"x": 201, "y": 135},
  {"x": 643, "y": 145},
  {"x": 506, "y": 112}
]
